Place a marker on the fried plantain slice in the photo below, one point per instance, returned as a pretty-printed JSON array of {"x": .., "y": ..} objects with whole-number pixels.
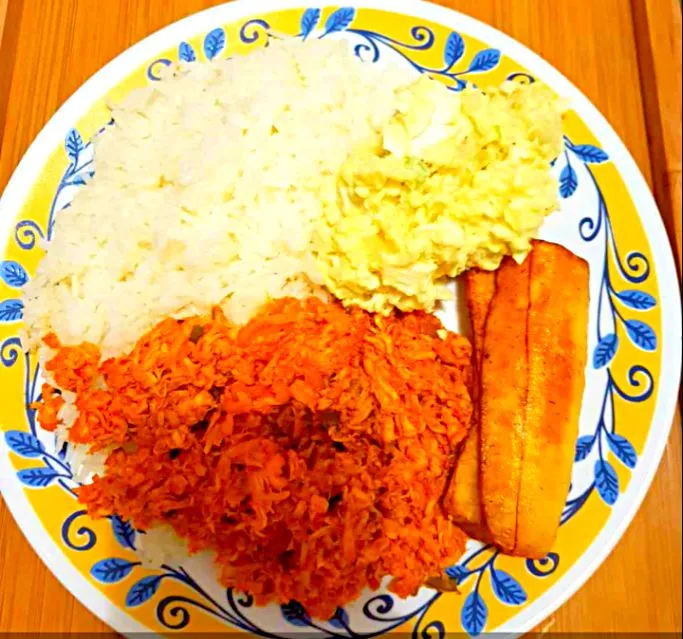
[
  {"x": 504, "y": 386},
  {"x": 462, "y": 500},
  {"x": 480, "y": 287},
  {"x": 557, "y": 349}
]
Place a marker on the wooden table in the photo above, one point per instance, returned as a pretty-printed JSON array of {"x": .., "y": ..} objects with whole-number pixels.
[{"x": 624, "y": 54}]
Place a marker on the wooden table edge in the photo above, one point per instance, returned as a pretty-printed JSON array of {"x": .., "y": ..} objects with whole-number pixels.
[
  {"x": 657, "y": 31},
  {"x": 10, "y": 16}
]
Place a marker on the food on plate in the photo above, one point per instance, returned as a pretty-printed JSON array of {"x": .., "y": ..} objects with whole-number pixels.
[
  {"x": 459, "y": 180},
  {"x": 214, "y": 392},
  {"x": 529, "y": 325},
  {"x": 557, "y": 350},
  {"x": 309, "y": 448},
  {"x": 503, "y": 400},
  {"x": 463, "y": 500}
]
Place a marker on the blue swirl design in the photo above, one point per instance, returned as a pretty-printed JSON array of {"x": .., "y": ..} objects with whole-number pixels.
[
  {"x": 612, "y": 326},
  {"x": 80, "y": 169},
  {"x": 370, "y": 49},
  {"x": 83, "y": 538},
  {"x": 545, "y": 566},
  {"x": 423, "y": 39},
  {"x": 522, "y": 78},
  {"x": 252, "y": 30},
  {"x": 155, "y": 67},
  {"x": 616, "y": 322}
]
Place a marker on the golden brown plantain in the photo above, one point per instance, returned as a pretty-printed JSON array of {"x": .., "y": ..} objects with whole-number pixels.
[
  {"x": 504, "y": 385},
  {"x": 480, "y": 287},
  {"x": 462, "y": 501},
  {"x": 556, "y": 354}
]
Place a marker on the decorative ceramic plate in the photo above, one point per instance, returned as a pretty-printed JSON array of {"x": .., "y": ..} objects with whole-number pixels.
[{"x": 608, "y": 217}]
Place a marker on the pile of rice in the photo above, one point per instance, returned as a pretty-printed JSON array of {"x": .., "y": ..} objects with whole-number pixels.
[{"x": 205, "y": 192}]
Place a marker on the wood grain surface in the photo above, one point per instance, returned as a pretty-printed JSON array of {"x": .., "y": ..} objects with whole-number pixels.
[
  {"x": 625, "y": 55},
  {"x": 3, "y": 12},
  {"x": 658, "y": 40}
]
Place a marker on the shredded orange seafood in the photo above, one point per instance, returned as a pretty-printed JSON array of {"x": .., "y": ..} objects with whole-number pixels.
[{"x": 309, "y": 448}]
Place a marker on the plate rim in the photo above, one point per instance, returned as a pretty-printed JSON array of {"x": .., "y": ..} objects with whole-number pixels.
[{"x": 24, "y": 176}]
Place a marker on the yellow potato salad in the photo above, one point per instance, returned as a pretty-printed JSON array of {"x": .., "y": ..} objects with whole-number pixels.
[{"x": 458, "y": 180}]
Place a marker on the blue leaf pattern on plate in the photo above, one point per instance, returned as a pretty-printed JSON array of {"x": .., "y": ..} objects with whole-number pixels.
[
  {"x": 214, "y": 42},
  {"x": 77, "y": 180},
  {"x": 294, "y": 613},
  {"x": 24, "y": 444},
  {"x": 73, "y": 144},
  {"x": 340, "y": 19},
  {"x": 484, "y": 60},
  {"x": 37, "y": 477},
  {"x": 340, "y": 619},
  {"x": 186, "y": 52},
  {"x": 568, "y": 181},
  {"x": 143, "y": 590},
  {"x": 123, "y": 531},
  {"x": 638, "y": 300},
  {"x": 590, "y": 154},
  {"x": 641, "y": 334},
  {"x": 606, "y": 481},
  {"x": 455, "y": 49},
  {"x": 474, "y": 614},
  {"x": 584, "y": 445},
  {"x": 457, "y": 573},
  {"x": 507, "y": 588},
  {"x": 309, "y": 20},
  {"x": 13, "y": 273},
  {"x": 11, "y": 310},
  {"x": 109, "y": 571},
  {"x": 623, "y": 449},
  {"x": 605, "y": 350},
  {"x": 634, "y": 269}
]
